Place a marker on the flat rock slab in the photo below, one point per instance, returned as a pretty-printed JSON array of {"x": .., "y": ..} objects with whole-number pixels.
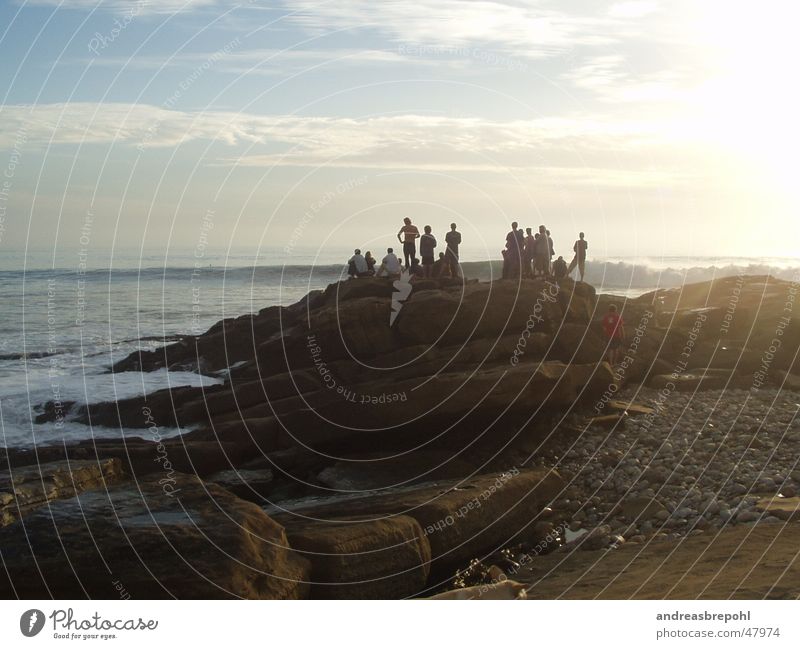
[
  {"x": 632, "y": 409},
  {"x": 783, "y": 508},
  {"x": 608, "y": 421},
  {"x": 382, "y": 559},
  {"x": 742, "y": 562},
  {"x": 190, "y": 541},
  {"x": 701, "y": 379},
  {"x": 33, "y": 486}
]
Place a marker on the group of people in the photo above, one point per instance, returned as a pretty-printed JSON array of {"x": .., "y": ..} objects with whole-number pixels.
[
  {"x": 531, "y": 255},
  {"x": 446, "y": 265},
  {"x": 526, "y": 255}
]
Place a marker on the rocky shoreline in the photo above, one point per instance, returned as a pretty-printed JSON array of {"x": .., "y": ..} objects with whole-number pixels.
[{"x": 480, "y": 434}]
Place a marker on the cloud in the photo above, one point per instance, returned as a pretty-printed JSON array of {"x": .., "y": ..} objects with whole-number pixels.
[
  {"x": 612, "y": 78},
  {"x": 575, "y": 150},
  {"x": 524, "y": 28},
  {"x": 633, "y": 9},
  {"x": 133, "y": 7},
  {"x": 256, "y": 61}
]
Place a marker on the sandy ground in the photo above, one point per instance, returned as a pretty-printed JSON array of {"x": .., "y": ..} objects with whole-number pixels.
[{"x": 744, "y": 562}]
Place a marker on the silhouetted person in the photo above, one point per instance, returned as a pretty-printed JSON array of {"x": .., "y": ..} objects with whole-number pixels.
[
  {"x": 552, "y": 252},
  {"x": 579, "y": 259},
  {"x": 527, "y": 257},
  {"x": 427, "y": 244},
  {"x": 614, "y": 328},
  {"x": 408, "y": 236},
  {"x": 390, "y": 265},
  {"x": 541, "y": 260},
  {"x": 560, "y": 268},
  {"x": 371, "y": 261},
  {"x": 515, "y": 244},
  {"x": 453, "y": 240},
  {"x": 357, "y": 265},
  {"x": 439, "y": 267},
  {"x": 416, "y": 271}
]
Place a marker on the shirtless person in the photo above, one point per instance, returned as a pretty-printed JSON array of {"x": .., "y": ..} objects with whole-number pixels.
[
  {"x": 614, "y": 328},
  {"x": 579, "y": 259},
  {"x": 408, "y": 236}
]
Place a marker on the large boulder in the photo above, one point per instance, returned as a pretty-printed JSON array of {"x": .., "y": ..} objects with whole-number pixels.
[
  {"x": 160, "y": 538},
  {"x": 489, "y": 311},
  {"x": 461, "y": 520},
  {"x": 386, "y": 558}
]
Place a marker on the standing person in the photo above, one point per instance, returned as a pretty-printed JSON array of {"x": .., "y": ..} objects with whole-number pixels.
[
  {"x": 542, "y": 252},
  {"x": 579, "y": 259},
  {"x": 614, "y": 328},
  {"x": 427, "y": 243},
  {"x": 527, "y": 255},
  {"x": 453, "y": 240},
  {"x": 515, "y": 243},
  {"x": 552, "y": 253},
  {"x": 390, "y": 264},
  {"x": 408, "y": 236}
]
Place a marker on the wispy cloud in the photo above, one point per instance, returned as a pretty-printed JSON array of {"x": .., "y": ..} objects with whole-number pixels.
[
  {"x": 633, "y": 8},
  {"x": 612, "y": 78},
  {"x": 126, "y": 6},
  {"x": 573, "y": 150},
  {"x": 530, "y": 29},
  {"x": 259, "y": 60}
]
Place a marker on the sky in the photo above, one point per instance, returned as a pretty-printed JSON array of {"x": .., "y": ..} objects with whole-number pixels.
[{"x": 658, "y": 128}]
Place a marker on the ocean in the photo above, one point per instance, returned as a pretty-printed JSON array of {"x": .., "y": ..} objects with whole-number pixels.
[{"x": 68, "y": 316}]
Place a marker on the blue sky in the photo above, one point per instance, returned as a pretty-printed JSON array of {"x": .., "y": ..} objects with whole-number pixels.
[{"x": 658, "y": 128}]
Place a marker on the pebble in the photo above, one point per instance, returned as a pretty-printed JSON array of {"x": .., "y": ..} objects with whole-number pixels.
[
  {"x": 702, "y": 474},
  {"x": 747, "y": 516}
]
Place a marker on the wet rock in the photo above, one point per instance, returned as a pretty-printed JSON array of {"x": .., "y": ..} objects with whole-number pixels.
[
  {"x": 196, "y": 540},
  {"x": 29, "y": 487}
]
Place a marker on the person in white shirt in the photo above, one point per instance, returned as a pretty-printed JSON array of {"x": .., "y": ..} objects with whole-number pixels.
[
  {"x": 390, "y": 264},
  {"x": 357, "y": 265}
]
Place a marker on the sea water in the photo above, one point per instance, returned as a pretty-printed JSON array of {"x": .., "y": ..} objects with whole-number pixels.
[{"x": 66, "y": 319}]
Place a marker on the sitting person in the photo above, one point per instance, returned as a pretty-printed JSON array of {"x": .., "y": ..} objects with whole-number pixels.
[
  {"x": 370, "y": 262},
  {"x": 416, "y": 271},
  {"x": 440, "y": 267},
  {"x": 357, "y": 265},
  {"x": 390, "y": 265},
  {"x": 560, "y": 268}
]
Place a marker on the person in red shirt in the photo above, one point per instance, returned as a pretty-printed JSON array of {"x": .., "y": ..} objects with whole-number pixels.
[{"x": 614, "y": 327}]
